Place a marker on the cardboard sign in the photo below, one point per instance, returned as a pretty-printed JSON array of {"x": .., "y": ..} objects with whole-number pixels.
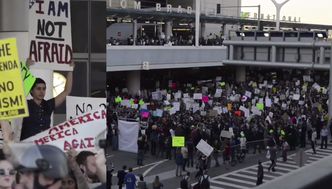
[
  {"x": 78, "y": 133},
  {"x": 12, "y": 97},
  {"x": 204, "y": 147},
  {"x": 76, "y": 106},
  {"x": 28, "y": 78},
  {"x": 198, "y": 96},
  {"x": 50, "y": 34},
  {"x": 156, "y": 95},
  {"x": 178, "y": 141},
  {"x": 225, "y": 134},
  {"x": 260, "y": 106}
]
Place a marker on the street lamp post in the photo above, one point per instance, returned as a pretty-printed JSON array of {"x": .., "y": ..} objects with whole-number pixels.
[
  {"x": 278, "y": 9},
  {"x": 197, "y": 21},
  {"x": 330, "y": 87}
]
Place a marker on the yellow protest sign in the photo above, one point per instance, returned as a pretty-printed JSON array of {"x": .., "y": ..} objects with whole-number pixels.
[
  {"x": 12, "y": 98},
  {"x": 178, "y": 141}
]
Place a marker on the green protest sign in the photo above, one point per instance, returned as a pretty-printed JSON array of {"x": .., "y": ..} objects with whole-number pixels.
[
  {"x": 178, "y": 141},
  {"x": 28, "y": 78}
]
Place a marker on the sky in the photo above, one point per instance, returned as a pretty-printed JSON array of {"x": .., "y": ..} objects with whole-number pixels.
[{"x": 310, "y": 11}]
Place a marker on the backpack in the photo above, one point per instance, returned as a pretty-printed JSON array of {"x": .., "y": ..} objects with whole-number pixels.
[
  {"x": 205, "y": 184},
  {"x": 184, "y": 183}
]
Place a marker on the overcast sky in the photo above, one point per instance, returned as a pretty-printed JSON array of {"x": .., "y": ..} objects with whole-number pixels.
[{"x": 310, "y": 11}]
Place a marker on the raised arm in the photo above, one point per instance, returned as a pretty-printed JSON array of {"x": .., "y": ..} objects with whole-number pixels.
[{"x": 69, "y": 83}]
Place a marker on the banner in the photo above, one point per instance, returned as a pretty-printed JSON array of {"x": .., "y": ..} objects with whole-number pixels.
[
  {"x": 178, "y": 141},
  {"x": 204, "y": 147},
  {"x": 78, "y": 133},
  {"x": 80, "y": 105},
  {"x": 128, "y": 135},
  {"x": 50, "y": 34},
  {"x": 12, "y": 98}
]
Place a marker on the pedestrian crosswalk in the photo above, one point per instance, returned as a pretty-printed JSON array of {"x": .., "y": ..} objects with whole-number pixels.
[{"x": 246, "y": 177}]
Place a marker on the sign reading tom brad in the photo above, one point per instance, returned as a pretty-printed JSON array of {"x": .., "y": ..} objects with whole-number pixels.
[{"x": 50, "y": 34}]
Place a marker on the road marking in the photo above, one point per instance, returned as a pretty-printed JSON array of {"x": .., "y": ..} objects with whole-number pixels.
[{"x": 155, "y": 165}]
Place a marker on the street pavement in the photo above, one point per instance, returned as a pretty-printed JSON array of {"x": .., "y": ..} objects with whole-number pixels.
[{"x": 240, "y": 176}]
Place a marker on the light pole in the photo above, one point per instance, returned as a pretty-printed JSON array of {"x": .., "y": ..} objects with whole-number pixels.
[
  {"x": 197, "y": 21},
  {"x": 330, "y": 87},
  {"x": 278, "y": 9}
]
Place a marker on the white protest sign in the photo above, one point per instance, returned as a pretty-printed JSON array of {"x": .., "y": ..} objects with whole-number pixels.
[
  {"x": 306, "y": 78},
  {"x": 218, "y": 93},
  {"x": 198, "y": 96},
  {"x": 78, "y": 133},
  {"x": 50, "y": 34},
  {"x": 245, "y": 110},
  {"x": 248, "y": 94},
  {"x": 185, "y": 95},
  {"x": 205, "y": 90},
  {"x": 268, "y": 102},
  {"x": 177, "y": 95},
  {"x": 168, "y": 96},
  {"x": 296, "y": 97},
  {"x": 156, "y": 95},
  {"x": 176, "y": 106},
  {"x": 128, "y": 135},
  {"x": 126, "y": 103},
  {"x": 76, "y": 106},
  {"x": 316, "y": 86},
  {"x": 225, "y": 134},
  {"x": 218, "y": 108},
  {"x": 204, "y": 147},
  {"x": 195, "y": 107}
]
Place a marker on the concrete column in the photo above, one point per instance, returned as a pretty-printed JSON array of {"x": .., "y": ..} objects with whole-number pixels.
[
  {"x": 197, "y": 21},
  {"x": 240, "y": 74},
  {"x": 135, "y": 31},
  {"x": 203, "y": 28},
  {"x": 134, "y": 82},
  {"x": 231, "y": 52},
  {"x": 168, "y": 30},
  {"x": 274, "y": 54},
  {"x": 321, "y": 55}
]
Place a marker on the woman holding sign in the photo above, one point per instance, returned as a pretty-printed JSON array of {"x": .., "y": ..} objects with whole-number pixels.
[{"x": 40, "y": 110}]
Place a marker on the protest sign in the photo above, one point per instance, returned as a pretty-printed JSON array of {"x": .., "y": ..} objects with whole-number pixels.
[
  {"x": 128, "y": 136},
  {"x": 76, "y": 106},
  {"x": 50, "y": 34},
  {"x": 156, "y": 95},
  {"x": 198, "y": 96},
  {"x": 268, "y": 102},
  {"x": 204, "y": 147},
  {"x": 12, "y": 98},
  {"x": 248, "y": 94},
  {"x": 176, "y": 106},
  {"x": 28, "y": 78},
  {"x": 225, "y": 134},
  {"x": 177, "y": 141},
  {"x": 260, "y": 106},
  {"x": 296, "y": 97},
  {"x": 78, "y": 133}
]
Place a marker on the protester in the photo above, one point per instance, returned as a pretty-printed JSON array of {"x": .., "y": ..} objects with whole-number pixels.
[
  {"x": 7, "y": 173},
  {"x": 130, "y": 179},
  {"x": 121, "y": 176},
  {"x": 260, "y": 173},
  {"x": 184, "y": 184},
  {"x": 179, "y": 162},
  {"x": 69, "y": 182},
  {"x": 313, "y": 140},
  {"x": 156, "y": 183},
  {"x": 141, "y": 184},
  {"x": 43, "y": 172},
  {"x": 40, "y": 110},
  {"x": 204, "y": 181},
  {"x": 324, "y": 134},
  {"x": 93, "y": 166}
]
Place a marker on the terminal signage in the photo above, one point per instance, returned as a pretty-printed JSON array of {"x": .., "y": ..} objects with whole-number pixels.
[{"x": 125, "y": 4}]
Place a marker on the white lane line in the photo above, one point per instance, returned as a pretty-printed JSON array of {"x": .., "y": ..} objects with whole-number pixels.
[
  {"x": 237, "y": 180},
  {"x": 244, "y": 176},
  {"x": 287, "y": 165},
  {"x": 228, "y": 184},
  {"x": 155, "y": 165},
  {"x": 214, "y": 187},
  {"x": 282, "y": 168},
  {"x": 270, "y": 176}
]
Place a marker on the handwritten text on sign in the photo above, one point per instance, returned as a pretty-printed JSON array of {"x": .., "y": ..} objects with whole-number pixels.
[
  {"x": 78, "y": 133},
  {"x": 76, "y": 106},
  {"x": 50, "y": 32},
  {"x": 12, "y": 99}
]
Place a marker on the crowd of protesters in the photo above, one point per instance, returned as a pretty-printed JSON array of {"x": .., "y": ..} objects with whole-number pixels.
[
  {"x": 161, "y": 40},
  {"x": 294, "y": 112}
]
